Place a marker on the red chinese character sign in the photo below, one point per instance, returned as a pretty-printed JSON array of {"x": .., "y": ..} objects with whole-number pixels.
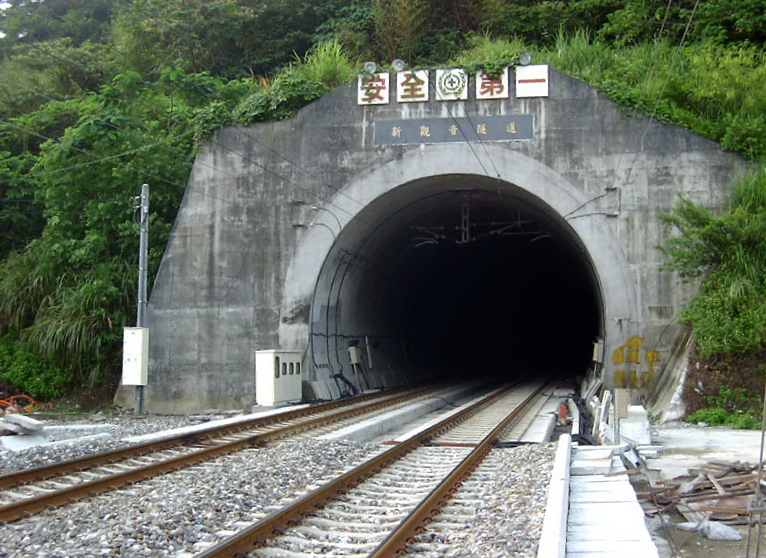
[
  {"x": 412, "y": 86},
  {"x": 373, "y": 89},
  {"x": 451, "y": 85},
  {"x": 532, "y": 81},
  {"x": 492, "y": 86}
]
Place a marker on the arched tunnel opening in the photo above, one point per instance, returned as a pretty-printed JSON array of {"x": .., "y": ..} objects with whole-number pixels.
[{"x": 457, "y": 276}]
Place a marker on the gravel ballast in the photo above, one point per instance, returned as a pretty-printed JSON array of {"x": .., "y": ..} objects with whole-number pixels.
[
  {"x": 182, "y": 513},
  {"x": 77, "y": 438}
]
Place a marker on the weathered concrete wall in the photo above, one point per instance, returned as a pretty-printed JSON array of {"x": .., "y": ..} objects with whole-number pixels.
[{"x": 243, "y": 267}]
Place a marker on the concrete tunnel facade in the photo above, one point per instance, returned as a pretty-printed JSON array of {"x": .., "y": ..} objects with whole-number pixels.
[{"x": 438, "y": 259}]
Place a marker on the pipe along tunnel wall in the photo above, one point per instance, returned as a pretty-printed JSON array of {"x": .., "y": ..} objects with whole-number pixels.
[{"x": 439, "y": 259}]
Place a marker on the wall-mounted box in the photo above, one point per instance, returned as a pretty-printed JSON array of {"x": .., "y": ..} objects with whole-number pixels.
[
  {"x": 278, "y": 377},
  {"x": 135, "y": 356}
]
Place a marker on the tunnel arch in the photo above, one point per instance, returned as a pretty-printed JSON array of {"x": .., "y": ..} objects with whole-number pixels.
[{"x": 456, "y": 251}]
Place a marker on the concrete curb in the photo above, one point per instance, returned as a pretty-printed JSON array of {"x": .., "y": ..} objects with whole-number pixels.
[
  {"x": 553, "y": 539},
  {"x": 377, "y": 426}
]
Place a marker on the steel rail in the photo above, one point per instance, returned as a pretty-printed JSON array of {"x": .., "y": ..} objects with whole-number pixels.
[
  {"x": 251, "y": 537},
  {"x": 29, "y": 506},
  {"x": 414, "y": 524},
  {"x": 44, "y": 472}
]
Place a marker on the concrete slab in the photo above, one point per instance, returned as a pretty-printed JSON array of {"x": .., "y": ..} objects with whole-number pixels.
[
  {"x": 605, "y": 518},
  {"x": 10, "y": 427},
  {"x": 636, "y": 429},
  {"x": 18, "y": 443},
  {"x": 386, "y": 422},
  {"x": 687, "y": 446},
  {"x": 56, "y": 432},
  {"x": 625, "y": 511},
  {"x": 543, "y": 424},
  {"x": 196, "y": 428},
  {"x": 24, "y": 421}
]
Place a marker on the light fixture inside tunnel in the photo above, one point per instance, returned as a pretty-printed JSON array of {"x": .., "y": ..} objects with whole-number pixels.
[{"x": 468, "y": 231}]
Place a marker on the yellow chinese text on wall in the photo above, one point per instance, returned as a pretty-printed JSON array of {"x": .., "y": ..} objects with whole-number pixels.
[{"x": 635, "y": 365}]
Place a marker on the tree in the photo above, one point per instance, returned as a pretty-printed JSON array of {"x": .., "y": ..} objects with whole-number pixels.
[
  {"x": 20, "y": 217},
  {"x": 26, "y": 22},
  {"x": 69, "y": 292}
]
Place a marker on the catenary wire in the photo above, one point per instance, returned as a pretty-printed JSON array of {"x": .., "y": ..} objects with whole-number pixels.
[{"x": 650, "y": 121}]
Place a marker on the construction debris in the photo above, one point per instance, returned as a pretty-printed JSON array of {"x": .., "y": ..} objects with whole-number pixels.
[{"x": 722, "y": 492}]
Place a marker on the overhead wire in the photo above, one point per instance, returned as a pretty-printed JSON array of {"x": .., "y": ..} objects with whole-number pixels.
[
  {"x": 614, "y": 188},
  {"x": 141, "y": 124},
  {"x": 266, "y": 170},
  {"x": 187, "y": 156},
  {"x": 470, "y": 145},
  {"x": 204, "y": 163}
]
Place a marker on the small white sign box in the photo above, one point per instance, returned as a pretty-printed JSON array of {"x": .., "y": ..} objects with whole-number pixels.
[{"x": 278, "y": 377}]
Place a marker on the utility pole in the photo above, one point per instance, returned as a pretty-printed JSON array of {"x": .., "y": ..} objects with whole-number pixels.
[{"x": 143, "y": 252}]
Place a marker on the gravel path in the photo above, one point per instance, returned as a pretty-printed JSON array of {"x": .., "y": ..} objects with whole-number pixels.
[{"x": 183, "y": 512}]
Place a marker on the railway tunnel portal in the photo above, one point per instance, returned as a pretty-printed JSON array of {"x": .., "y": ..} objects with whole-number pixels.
[
  {"x": 430, "y": 239},
  {"x": 448, "y": 274}
]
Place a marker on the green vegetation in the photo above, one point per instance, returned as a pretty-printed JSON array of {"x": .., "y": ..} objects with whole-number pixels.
[
  {"x": 100, "y": 96},
  {"x": 735, "y": 407},
  {"x": 728, "y": 316}
]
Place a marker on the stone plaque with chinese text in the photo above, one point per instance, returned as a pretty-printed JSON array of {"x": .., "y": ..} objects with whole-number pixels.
[{"x": 444, "y": 130}]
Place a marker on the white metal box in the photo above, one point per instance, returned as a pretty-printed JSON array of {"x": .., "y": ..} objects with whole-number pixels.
[
  {"x": 278, "y": 377},
  {"x": 135, "y": 356}
]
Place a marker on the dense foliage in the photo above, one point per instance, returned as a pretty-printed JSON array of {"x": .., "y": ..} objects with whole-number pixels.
[
  {"x": 100, "y": 96},
  {"x": 729, "y": 316}
]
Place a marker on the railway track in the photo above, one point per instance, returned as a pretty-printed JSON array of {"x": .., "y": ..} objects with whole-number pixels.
[
  {"x": 28, "y": 492},
  {"x": 384, "y": 507}
]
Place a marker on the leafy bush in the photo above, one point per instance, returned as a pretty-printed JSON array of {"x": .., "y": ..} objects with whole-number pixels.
[
  {"x": 490, "y": 55},
  {"x": 729, "y": 314},
  {"x": 714, "y": 416},
  {"x": 324, "y": 68},
  {"x": 707, "y": 88},
  {"x": 31, "y": 374},
  {"x": 745, "y": 421}
]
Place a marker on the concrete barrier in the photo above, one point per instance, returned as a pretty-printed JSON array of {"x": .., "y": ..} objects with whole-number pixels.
[{"x": 553, "y": 539}]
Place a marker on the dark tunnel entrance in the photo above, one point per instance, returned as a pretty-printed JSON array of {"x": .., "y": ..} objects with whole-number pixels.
[{"x": 458, "y": 276}]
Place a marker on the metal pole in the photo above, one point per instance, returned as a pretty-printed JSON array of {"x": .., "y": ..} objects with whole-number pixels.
[{"x": 143, "y": 252}]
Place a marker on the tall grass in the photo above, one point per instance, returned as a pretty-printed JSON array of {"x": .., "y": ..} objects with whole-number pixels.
[
  {"x": 710, "y": 90},
  {"x": 329, "y": 65},
  {"x": 483, "y": 49}
]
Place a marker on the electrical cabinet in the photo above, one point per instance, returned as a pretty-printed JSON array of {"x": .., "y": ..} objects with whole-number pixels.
[
  {"x": 278, "y": 377},
  {"x": 135, "y": 356}
]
